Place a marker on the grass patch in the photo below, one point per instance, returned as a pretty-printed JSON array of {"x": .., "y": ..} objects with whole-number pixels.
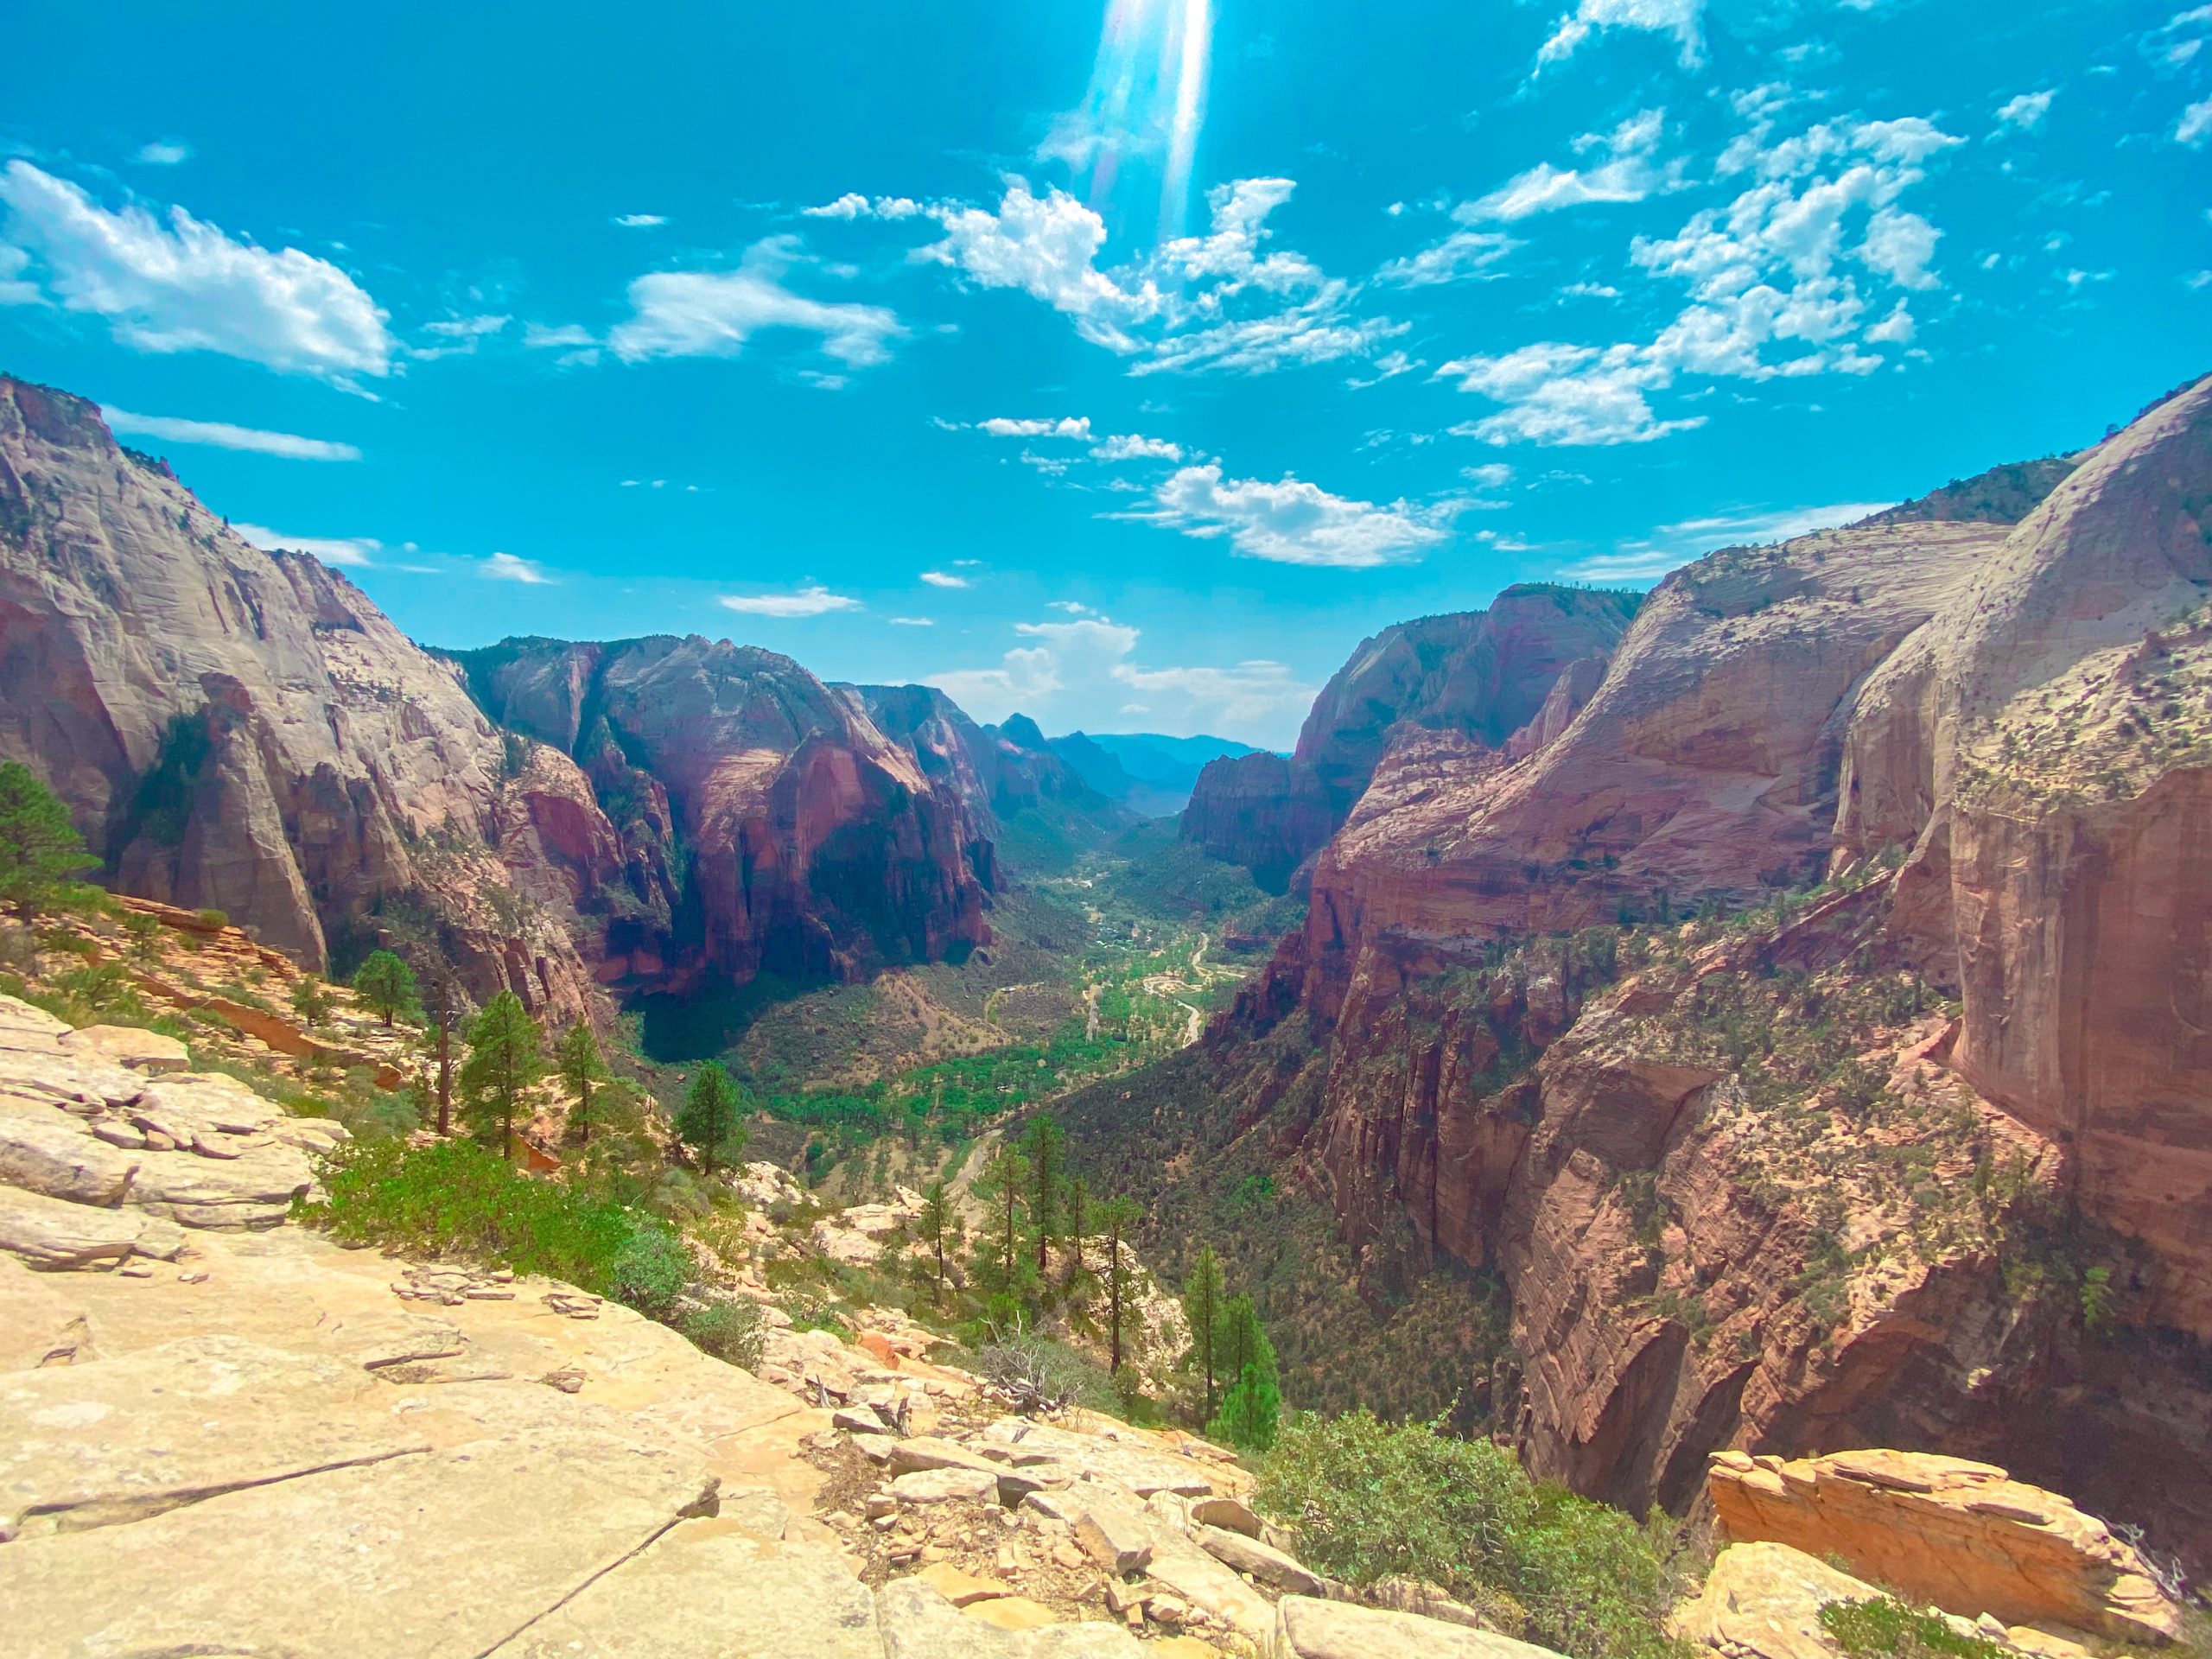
[{"x": 1889, "y": 1629}]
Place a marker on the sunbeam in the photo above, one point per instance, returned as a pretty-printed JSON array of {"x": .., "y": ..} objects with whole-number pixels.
[{"x": 1147, "y": 101}]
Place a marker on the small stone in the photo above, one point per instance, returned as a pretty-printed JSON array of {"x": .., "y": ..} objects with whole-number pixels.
[
  {"x": 960, "y": 1589},
  {"x": 1011, "y": 1613},
  {"x": 135, "y": 1270},
  {"x": 569, "y": 1379},
  {"x": 198, "y": 1276},
  {"x": 1069, "y": 1556}
]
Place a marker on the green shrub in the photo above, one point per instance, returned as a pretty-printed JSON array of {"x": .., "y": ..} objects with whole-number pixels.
[
  {"x": 214, "y": 918},
  {"x": 650, "y": 1269},
  {"x": 1889, "y": 1629},
  {"x": 728, "y": 1329},
  {"x": 456, "y": 1198},
  {"x": 1368, "y": 1501}
]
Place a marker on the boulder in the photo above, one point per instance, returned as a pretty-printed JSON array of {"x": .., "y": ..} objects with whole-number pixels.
[
  {"x": 1114, "y": 1536},
  {"x": 45, "y": 1150},
  {"x": 52, "y": 1233},
  {"x": 1763, "y": 1601},
  {"x": 943, "y": 1484},
  {"x": 127, "y": 1045},
  {"x": 1963, "y": 1535},
  {"x": 1256, "y": 1560},
  {"x": 1307, "y": 1629},
  {"x": 1232, "y": 1513},
  {"x": 919, "y": 1623},
  {"x": 249, "y": 1191}
]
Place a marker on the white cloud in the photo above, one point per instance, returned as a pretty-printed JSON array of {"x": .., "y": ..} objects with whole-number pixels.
[
  {"x": 911, "y": 621},
  {"x": 853, "y": 204},
  {"x": 1490, "y": 475},
  {"x": 1222, "y": 301},
  {"x": 164, "y": 152},
  {"x": 2025, "y": 111},
  {"x": 539, "y": 337},
  {"x": 2195, "y": 124},
  {"x": 714, "y": 313},
  {"x": 222, "y": 435},
  {"x": 1097, "y": 633},
  {"x": 183, "y": 285},
  {"x": 1025, "y": 674},
  {"x": 505, "y": 567},
  {"x": 466, "y": 328},
  {"x": 1459, "y": 257},
  {"x": 814, "y": 600},
  {"x": 1073, "y": 607},
  {"x": 640, "y": 221},
  {"x": 1628, "y": 173},
  {"x": 1676, "y": 17},
  {"x": 1592, "y": 291},
  {"x": 1769, "y": 295},
  {"x": 1677, "y": 544},
  {"x": 1245, "y": 695},
  {"x": 353, "y": 552},
  {"x": 1001, "y": 426},
  {"x": 1133, "y": 446},
  {"x": 944, "y": 579},
  {"x": 1290, "y": 522}
]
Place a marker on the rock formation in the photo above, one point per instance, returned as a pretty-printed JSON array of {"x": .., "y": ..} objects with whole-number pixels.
[
  {"x": 997, "y": 769},
  {"x": 1482, "y": 676},
  {"x": 243, "y": 730},
  {"x": 1746, "y": 1179}
]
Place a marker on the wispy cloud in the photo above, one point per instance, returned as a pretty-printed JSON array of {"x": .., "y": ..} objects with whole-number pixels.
[
  {"x": 1676, "y": 544},
  {"x": 353, "y": 552},
  {"x": 945, "y": 579},
  {"x": 2025, "y": 111},
  {"x": 640, "y": 221},
  {"x": 911, "y": 621},
  {"x": 180, "y": 284},
  {"x": 1628, "y": 170},
  {"x": 717, "y": 314},
  {"x": 221, "y": 434},
  {"x": 505, "y": 567},
  {"x": 1290, "y": 521},
  {"x": 812, "y": 601},
  {"x": 1135, "y": 446},
  {"x": 164, "y": 152},
  {"x": 1676, "y": 17}
]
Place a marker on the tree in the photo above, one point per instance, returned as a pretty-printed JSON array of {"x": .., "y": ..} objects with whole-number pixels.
[
  {"x": 1004, "y": 1180},
  {"x": 708, "y": 1120},
  {"x": 443, "y": 1011},
  {"x": 505, "y": 1056},
  {"x": 578, "y": 1064},
  {"x": 938, "y": 1225},
  {"x": 311, "y": 999},
  {"x": 1253, "y": 1406},
  {"x": 1079, "y": 1208},
  {"x": 40, "y": 849},
  {"x": 386, "y": 984},
  {"x": 1042, "y": 1145},
  {"x": 1116, "y": 1218},
  {"x": 1202, "y": 1294}
]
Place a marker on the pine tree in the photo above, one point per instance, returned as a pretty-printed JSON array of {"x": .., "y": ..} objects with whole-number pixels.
[
  {"x": 1116, "y": 1218},
  {"x": 443, "y": 1011},
  {"x": 578, "y": 1063},
  {"x": 1005, "y": 1179},
  {"x": 311, "y": 999},
  {"x": 1042, "y": 1144},
  {"x": 1079, "y": 1208},
  {"x": 40, "y": 849},
  {"x": 708, "y": 1120},
  {"x": 386, "y": 984},
  {"x": 939, "y": 1226},
  {"x": 1202, "y": 1294},
  {"x": 505, "y": 1056},
  {"x": 1253, "y": 1406}
]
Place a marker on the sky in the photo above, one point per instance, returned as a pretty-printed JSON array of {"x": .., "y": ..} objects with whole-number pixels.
[{"x": 1121, "y": 365}]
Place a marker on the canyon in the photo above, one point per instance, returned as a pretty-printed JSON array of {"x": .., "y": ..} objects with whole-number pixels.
[{"x": 1803, "y": 1022}]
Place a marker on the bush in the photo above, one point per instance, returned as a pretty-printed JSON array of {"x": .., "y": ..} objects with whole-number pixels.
[
  {"x": 212, "y": 917},
  {"x": 455, "y": 1198},
  {"x": 728, "y": 1329},
  {"x": 1889, "y": 1630},
  {"x": 1367, "y": 1501},
  {"x": 650, "y": 1270}
]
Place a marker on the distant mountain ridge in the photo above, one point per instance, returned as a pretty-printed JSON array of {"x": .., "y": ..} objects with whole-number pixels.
[{"x": 1149, "y": 772}]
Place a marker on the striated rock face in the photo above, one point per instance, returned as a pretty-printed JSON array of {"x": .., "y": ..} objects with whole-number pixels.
[
  {"x": 994, "y": 769},
  {"x": 1963, "y": 1535},
  {"x": 1533, "y": 657},
  {"x": 817, "y": 845},
  {"x": 1749, "y": 1183},
  {"x": 243, "y": 730}
]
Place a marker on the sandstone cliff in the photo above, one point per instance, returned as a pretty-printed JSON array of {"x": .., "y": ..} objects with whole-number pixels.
[
  {"x": 816, "y": 846},
  {"x": 243, "y": 730},
  {"x": 1913, "y": 1157},
  {"x": 1481, "y": 675}
]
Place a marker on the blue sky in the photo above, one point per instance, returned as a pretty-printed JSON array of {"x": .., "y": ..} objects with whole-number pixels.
[{"x": 1124, "y": 365}]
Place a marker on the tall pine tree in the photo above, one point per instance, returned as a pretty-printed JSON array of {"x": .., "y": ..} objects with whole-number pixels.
[
  {"x": 578, "y": 1063},
  {"x": 504, "y": 1058},
  {"x": 1116, "y": 1218},
  {"x": 1041, "y": 1144},
  {"x": 1202, "y": 1299},
  {"x": 1252, "y": 1409},
  {"x": 708, "y": 1120}
]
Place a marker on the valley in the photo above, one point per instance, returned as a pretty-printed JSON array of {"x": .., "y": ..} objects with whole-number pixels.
[{"x": 1658, "y": 1041}]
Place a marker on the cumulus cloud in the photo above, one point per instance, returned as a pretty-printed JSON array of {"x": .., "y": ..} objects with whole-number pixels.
[
  {"x": 505, "y": 567},
  {"x": 1625, "y": 170},
  {"x": 944, "y": 579},
  {"x": 2024, "y": 113},
  {"x": 180, "y": 284},
  {"x": 221, "y": 434},
  {"x": 1677, "y": 17},
  {"x": 1135, "y": 446},
  {"x": 715, "y": 314},
  {"x": 1224, "y": 302},
  {"x": 853, "y": 204},
  {"x": 1290, "y": 521},
  {"x": 1071, "y": 426},
  {"x": 814, "y": 600},
  {"x": 352, "y": 551},
  {"x": 1771, "y": 289}
]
